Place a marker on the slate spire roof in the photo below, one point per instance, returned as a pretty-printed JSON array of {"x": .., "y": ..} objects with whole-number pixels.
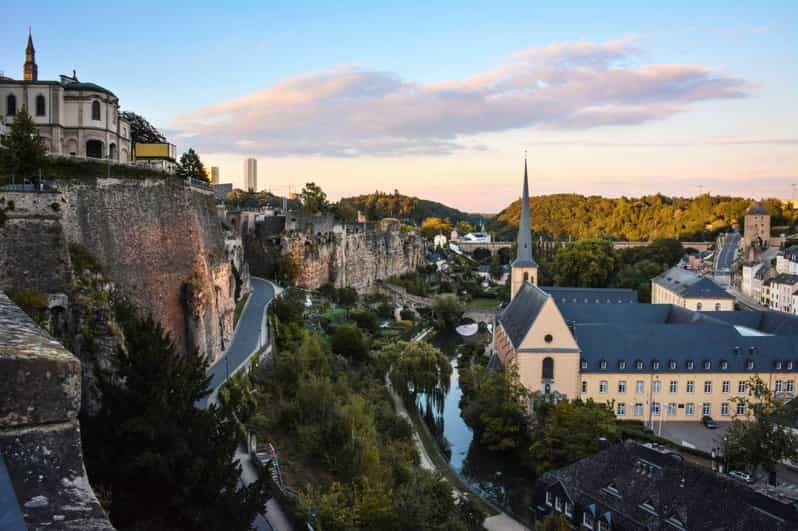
[{"x": 524, "y": 256}]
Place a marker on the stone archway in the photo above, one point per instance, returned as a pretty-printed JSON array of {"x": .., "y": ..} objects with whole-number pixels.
[{"x": 94, "y": 149}]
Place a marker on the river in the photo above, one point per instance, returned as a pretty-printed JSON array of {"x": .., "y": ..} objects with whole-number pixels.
[{"x": 497, "y": 479}]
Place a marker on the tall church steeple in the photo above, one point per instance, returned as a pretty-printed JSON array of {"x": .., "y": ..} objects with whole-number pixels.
[
  {"x": 30, "y": 70},
  {"x": 524, "y": 268}
]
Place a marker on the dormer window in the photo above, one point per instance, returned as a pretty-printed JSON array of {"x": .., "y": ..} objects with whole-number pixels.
[
  {"x": 557, "y": 504},
  {"x": 778, "y": 365},
  {"x": 587, "y": 521},
  {"x": 724, "y": 365},
  {"x": 672, "y": 365},
  {"x": 749, "y": 364},
  {"x": 622, "y": 365},
  {"x": 612, "y": 489},
  {"x": 648, "y": 507},
  {"x": 789, "y": 365},
  {"x": 655, "y": 365},
  {"x": 584, "y": 363},
  {"x": 675, "y": 523},
  {"x": 639, "y": 365},
  {"x": 548, "y": 498},
  {"x": 690, "y": 365},
  {"x": 603, "y": 365},
  {"x": 707, "y": 365},
  {"x": 569, "y": 509}
]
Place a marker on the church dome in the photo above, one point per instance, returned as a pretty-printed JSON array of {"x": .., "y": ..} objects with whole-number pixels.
[{"x": 89, "y": 87}]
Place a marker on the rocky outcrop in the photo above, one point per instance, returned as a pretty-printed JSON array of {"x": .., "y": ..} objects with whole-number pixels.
[
  {"x": 39, "y": 430},
  {"x": 354, "y": 256},
  {"x": 159, "y": 242}
]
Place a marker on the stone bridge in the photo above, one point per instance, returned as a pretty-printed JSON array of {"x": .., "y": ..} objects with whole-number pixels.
[
  {"x": 493, "y": 247},
  {"x": 405, "y": 297}
]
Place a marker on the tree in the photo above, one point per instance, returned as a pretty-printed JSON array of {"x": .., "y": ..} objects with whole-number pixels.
[
  {"x": 313, "y": 198},
  {"x": 365, "y": 319},
  {"x": 165, "y": 463},
  {"x": 432, "y": 226},
  {"x": 553, "y": 522},
  {"x": 345, "y": 211},
  {"x": 25, "y": 153},
  {"x": 463, "y": 227},
  {"x": 346, "y": 296},
  {"x": 348, "y": 342},
  {"x": 142, "y": 131},
  {"x": 191, "y": 166},
  {"x": 764, "y": 437},
  {"x": 586, "y": 264},
  {"x": 493, "y": 404},
  {"x": 419, "y": 368},
  {"x": 448, "y": 309},
  {"x": 568, "y": 431}
]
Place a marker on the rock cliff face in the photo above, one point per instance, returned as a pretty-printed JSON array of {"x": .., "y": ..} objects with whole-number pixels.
[
  {"x": 354, "y": 256},
  {"x": 157, "y": 240}
]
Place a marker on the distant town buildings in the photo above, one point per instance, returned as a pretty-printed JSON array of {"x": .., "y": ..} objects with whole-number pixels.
[
  {"x": 214, "y": 175},
  {"x": 756, "y": 230},
  {"x": 251, "y": 174},
  {"x": 74, "y": 118},
  {"x": 754, "y": 274},
  {"x": 688, "y": 289},
  {"x": 654, "y": 362},
  {"x": 787, "y": 262},
  {"x": 634, "y": 486}
]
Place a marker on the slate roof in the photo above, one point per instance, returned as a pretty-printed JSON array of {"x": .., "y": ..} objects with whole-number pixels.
[
  {"x": 518, "y": 316},
  {"x": 756, "y": 209},
  {"x": 785, "y": 278},
  {"x": 762, "y": 271},
  {"x": 688, "y": 284},
  {"x": 592, "y": 295},
  {"x": 791, "y": 253},
  {"x": 673, "y": 488},
  {"x": 81, "y": 85}
]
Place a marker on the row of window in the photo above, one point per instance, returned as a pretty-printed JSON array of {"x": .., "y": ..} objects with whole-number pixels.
[
  {"x": 781, "y": 386},
  {"x": 689, "y": 365},
  {"x": 41, "y": 107},
  {"x": 689, "y": 409},
  {"x": 567, "y": 508}
]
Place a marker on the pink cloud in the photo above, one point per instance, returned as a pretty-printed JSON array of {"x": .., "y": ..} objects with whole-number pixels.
[{"x": 349, "y": 111}]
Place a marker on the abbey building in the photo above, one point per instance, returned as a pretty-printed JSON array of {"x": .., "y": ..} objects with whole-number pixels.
[
  {"x": 74, "y": 118},
  {"x": 653, "y": 361}
]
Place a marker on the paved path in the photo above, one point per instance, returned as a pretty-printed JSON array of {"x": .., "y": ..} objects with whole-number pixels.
[
  {"x": 727, "y": 255},
  {"x": 249, "y": 337}
]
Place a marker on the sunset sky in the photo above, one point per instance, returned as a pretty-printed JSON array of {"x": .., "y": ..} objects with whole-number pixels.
[{"x": 608, "y": 98}]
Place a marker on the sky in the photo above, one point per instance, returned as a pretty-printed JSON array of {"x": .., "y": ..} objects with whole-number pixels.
[{"x": 442, "y": 101}]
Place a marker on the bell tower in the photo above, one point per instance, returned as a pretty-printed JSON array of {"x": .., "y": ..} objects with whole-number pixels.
[
  {"x": 30, "y": 71},
  {"x": 524, "y": 268}
]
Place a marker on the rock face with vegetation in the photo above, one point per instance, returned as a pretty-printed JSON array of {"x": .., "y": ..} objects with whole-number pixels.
[
  {"x": 355, "y": 256},
  {"x": 158, "y": 241}
]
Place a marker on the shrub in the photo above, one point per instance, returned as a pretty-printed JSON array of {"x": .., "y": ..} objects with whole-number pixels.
[
  {"x": 348, "y": 342},
  {"x": 32, "y": 301},
  {"x": 82, "y": 259},
  {"x": 365, "y": 319}
]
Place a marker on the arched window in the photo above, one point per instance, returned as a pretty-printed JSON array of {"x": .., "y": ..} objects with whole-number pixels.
[
  {"x": 94, "y": 149},
  {"x": 112, "y": 151},
  {"x": 11, "y": 105},
  {"x": 548, "y": 368},
  {"x": 95, "y": 110},
  {"x": 41, "y": 106}
]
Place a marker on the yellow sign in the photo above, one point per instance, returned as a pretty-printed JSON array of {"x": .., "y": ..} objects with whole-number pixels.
[{"x": 155, "y": 151}]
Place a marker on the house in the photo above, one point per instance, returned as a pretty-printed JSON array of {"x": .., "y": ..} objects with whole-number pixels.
[
  {"x": 787, "y": 262},
  {"x": 439, "y": 261},
  {"x": 782, "y": 289},
  {"x": 685, "y": 288},
  {"x": 632, "y": 486}
]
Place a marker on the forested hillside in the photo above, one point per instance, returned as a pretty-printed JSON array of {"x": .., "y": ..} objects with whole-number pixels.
[
  {"x": 381, "y": 205},
  {"x": 561, "y": 216}
]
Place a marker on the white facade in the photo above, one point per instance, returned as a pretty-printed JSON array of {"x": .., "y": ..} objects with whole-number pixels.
[
  {"x": 251, "y": 174},
  {"x": 788, "y": 262},
  {"x": 749, "y": 272},
  {"x": 73, "y": 118}
]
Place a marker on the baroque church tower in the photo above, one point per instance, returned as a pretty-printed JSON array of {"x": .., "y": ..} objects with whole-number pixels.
[
  {"x": 524, "y": 267},
  {"x": 30, "y": 70}
]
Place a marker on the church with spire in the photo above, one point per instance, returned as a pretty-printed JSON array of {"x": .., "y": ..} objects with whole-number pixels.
[
  {"x": 74, "y": 118},
  {"x": 651, "y": 361}
]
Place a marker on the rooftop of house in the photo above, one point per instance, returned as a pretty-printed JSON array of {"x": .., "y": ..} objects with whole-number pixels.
[
  {"x": 786, "y": 278},
  {"x": 791, "y": 253},
  {"x": 689, "y": 284},
  {"x": 592, "y": 295},
  {"x": 756, "y": 209},
  {"x": 638, "y": 486}
]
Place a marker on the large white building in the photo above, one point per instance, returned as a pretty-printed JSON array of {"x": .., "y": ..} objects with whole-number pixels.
[
  {"x": 689, "y": 290},
  {"x": 74, "y": 118},
  {"x": 787, "y": 262},
  {"x": 251, "y": 174}
]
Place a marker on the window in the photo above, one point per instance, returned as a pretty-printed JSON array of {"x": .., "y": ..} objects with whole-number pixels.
[
  {"x": 603, "y": 365},
  {"x": 706, "y": 409},
  {"x": 584, "y": 364},
  {"x": 648, "y": 507},
  {"x": 569, "y": 509},
  {"x": 602, "y": 526},
  {"x": 95, "y": 110},
  {"x": 778, "y": 365},
  {"x": 690, "y": 386},
  {"x": 639, "y": 365},
  {"x": 717, "y": 306},
  {"x": 707, "y": 365},
  {"x": 689, "y": 409},
  {"x": 603, "y": 386},
  {"x": 749, "y": 364},
  {"x": 557, "y": 504},
  {"x": 656, "y": 408},
  {"x": 548, "y": 338},
  {"x": 41, "y": 106},
  {"x": 622, "y": 364},
  {"x": 741, "y": 387},
  {"x": 655, "y": 365},
  {"x": 656, "y": 386},
  {"x": 672, "y": 365},
  {"x": 708, "y": 386},
  {"x": 674, "y": 386},
  {"x": 584, "y": 386},
  {"x": 690, "y": 365},
  {"x": 11, "y": 105},
  {"x": 639, "y": 386},
  {"x": 548, "y": 368},
  {"x": 724, "y": 365},
  {"x": 740, "y": 408},
  {"x": 548, "y": 498},
  {"x": 698, "y": 306},
  {"x": 622, "y": 386},
  {"x": 638, "y": 410},
  {"x": 779, "y": 386},
  {"x": 671, "y": 409},
  {"x": 621, "y": 409},
  {"x": 790, "y": 386},
  {"x": 789, "y": 365},
  {"x": 587, "y": 521},
  {"x": 724, "y": 409},
  {"x": 725, "y": 386}
]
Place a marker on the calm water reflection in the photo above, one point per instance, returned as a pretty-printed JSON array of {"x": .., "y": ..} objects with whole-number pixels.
[{"x": 496, "y": 479}]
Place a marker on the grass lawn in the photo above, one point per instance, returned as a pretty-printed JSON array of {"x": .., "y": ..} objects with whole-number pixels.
[
  {"x": 239, "y": 308},
  {"x": 483, "y": 304}
]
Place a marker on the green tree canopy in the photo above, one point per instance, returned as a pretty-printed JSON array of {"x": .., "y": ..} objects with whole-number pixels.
[
  {"x": 191, "y": 166},
  {"x": 348, "y": 341},
  {"x": 313, "y": 198},
  {"x": 448, "y": 309},
  {"x": 25, "y": 153},
  {"x": 432, "y": 226},
  {"x": 586, "y": 263}
]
